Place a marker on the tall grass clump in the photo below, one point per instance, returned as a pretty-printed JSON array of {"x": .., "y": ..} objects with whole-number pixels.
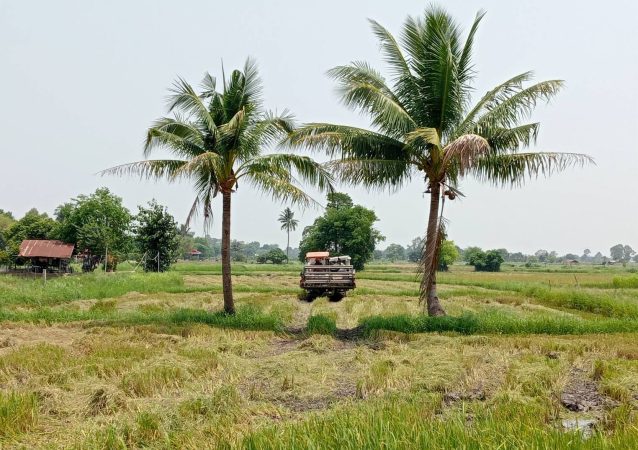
[
  {"x": 625, "y": 282},
  {"x": 321, "y": 324},
  {"x": 246, "y": 318},
  {"x": 496, "y": 323},
  {"x": 18, "y": 413}
]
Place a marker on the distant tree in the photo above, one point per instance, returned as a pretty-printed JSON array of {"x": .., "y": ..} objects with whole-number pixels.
[
  {"x": 448, "y": 255},
  {"x": 376, "y": 255},
  {"x": 620, "y": 252},
  {"x": 238, "y": 251},
  {"x": 628, "y": 252},
  {"x": 157, "y": 236},
  {"x": 552, "y": 257},
  {"x": 504, "y": 253},
  {"x": 6, "y": 220},
  {"x": 586, "y": 253},
  {"x": 470, "y": 253},
  {"x": 98, "y": 223},
  {"x": 542, "y": 255},
  {"x": 517, "y": 257},
  {"x": 394, "y": 252},
  {"x": 489, "y": 261},
  {"x": 415, "y": 249},
  {"x": 288, "y": 223},
  {"x": 570, "y": 257},
  {"x": 32, "y": 226},
  {"x": 275, "y": 256},
  {"x": 617, "y": 252},
  {"x": 344, "y": 229},
  {"x": 598, "y": 258}
]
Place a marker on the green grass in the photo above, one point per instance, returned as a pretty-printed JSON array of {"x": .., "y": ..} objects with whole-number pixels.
[
  {"x": 321, "y": 324},
  {"x": 18, "y": 413},
  {"x": 496, "y": 323},
  {"x": 247, "y": 317},
  {"x": 416, "y": 422},
  {"x": 85, "y": 364}
]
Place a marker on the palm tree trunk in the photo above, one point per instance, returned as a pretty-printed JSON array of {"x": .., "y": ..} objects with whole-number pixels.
[
  {"x": 288, "y": 247},
  {"x": 227, "y": 285},
  {"x": 429, "y": 257}
]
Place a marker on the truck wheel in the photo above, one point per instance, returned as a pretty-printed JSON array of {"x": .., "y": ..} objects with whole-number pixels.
[
  {"x": 336, "y": 296},
  {"x": 307, "y": 296}
]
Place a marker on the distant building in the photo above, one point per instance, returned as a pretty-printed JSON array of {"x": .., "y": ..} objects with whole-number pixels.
[
  {"x": 54, "y": 256},
  {"x": 194, "y": 254}
]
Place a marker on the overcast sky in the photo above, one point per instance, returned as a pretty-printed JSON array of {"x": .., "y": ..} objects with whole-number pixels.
[{"x": 81, "y": 81}]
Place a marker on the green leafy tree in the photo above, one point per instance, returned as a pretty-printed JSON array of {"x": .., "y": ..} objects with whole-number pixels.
[
  {"x": 32, "y": 226},
  {"x": 394, "y": 252},
  {"x": 97, "y": 223},
  {"x": 448, "y": 255},
  {"x": 157, "y": 236},
  {"x": 218, "y": 138},
  {"x": 470, "y": 253},
  {"x": 6, "y": 220},
  {"x": 344, "y": 229},
  {"x": 288, "y": 223},
  {"x": 489, "y": 261},
  {"x": 424, "y": 124},
  {"x": 275, "y": 256}
]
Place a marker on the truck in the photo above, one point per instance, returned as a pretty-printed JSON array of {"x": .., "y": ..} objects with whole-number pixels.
[{"x": 328, "y": 276}]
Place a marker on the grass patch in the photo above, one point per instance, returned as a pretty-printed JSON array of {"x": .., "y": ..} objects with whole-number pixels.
[
  {"x": 321, "y": 324},
  {"x": 496, "y": 323},
  {"x": 147, "y": 382},
  {"x": 18, "y": 413},
  {"x": 246, "y": 317},
  {"x": 417, "y": 422}
]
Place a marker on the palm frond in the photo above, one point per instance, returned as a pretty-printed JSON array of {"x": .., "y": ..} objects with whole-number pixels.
[
  {"x": 184, "y": 98},
  {"x": 280, "y": 188},
  {"x": 499, "y": 93},
  {"x": 464, "y": 151},
  {"x": 372, "y": 173},
  {"x": 149, "y": 169},
  {"x": 508, "y": 111},
  {"x": 513, "y": 169},
  {"x": 178, "y": 136},
  {"x": 347, "y": 141},
  {"x": 362, "y": 87},
  {"x": 390, "y": 48},
  {"x": 282, "y": 164},
  {"x": 208, "y": 85}
]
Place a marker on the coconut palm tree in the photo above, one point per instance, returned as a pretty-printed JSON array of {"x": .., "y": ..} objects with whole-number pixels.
[
  {"x": 218, "y": 139},
  {"x": 423, "y": 124},
  {"x": 288, "y": 223}
]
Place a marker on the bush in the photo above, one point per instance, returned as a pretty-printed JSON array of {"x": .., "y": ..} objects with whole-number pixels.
[
  {"x": 275, "y": 256},
  {"x": 489, "y": 261},
  {"x": 321, "y": 324}
]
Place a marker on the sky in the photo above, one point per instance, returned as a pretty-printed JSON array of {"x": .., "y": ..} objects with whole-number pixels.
[{"x": 81, "y": 81}]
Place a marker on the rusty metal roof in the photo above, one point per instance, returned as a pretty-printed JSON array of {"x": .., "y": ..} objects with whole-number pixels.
[
  {"x": 317, "y": 254},
  {"x": 45, "y": 249}
]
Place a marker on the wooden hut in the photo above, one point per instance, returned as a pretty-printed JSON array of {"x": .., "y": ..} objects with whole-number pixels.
[{"x": 54, "y": 256}]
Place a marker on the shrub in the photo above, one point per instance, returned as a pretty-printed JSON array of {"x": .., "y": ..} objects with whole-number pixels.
[
  {"x": 321, "y": 324},
  {"x": 489, "y": 261}
]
